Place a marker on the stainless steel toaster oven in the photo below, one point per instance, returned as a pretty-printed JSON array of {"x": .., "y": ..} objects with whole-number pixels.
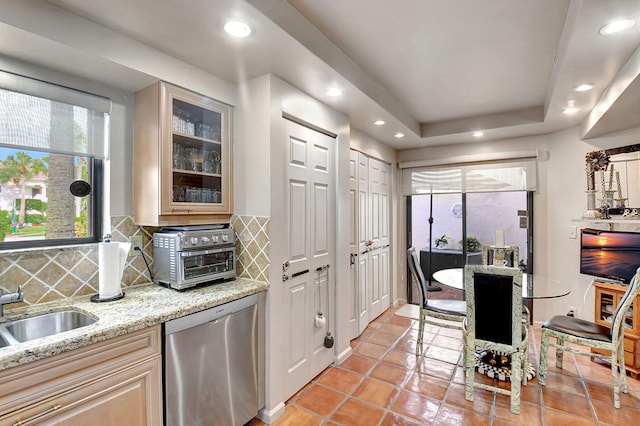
[{"x": 191, "y": 255}]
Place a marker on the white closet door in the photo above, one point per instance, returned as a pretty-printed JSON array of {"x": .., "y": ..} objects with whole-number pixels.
[
  {"x": 370, "y": 218},
  {"x": 364, "y": 270},
  {"x": 311, "y": 243},
  {"x": 353, "y": 246}
]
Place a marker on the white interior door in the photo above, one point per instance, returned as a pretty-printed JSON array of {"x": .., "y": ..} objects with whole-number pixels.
[
  {"x": 373, "y": 214},
  {"x": 364, "y": 270},
  {"x": 353, "y": 245},
  {"x": 311, "y": 243}
]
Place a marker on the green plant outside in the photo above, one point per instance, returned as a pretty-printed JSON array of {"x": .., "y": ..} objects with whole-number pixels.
[
  {"x": 473, "y": 244},
  {"x": 5, "y": 224},
  {"x": 31, "y": 231}
]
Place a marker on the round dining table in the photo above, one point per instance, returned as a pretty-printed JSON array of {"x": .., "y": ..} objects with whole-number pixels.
[{"x": 533, "y": 286}]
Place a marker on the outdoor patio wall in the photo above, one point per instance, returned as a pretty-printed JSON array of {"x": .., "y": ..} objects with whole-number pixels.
[{"x": 482, "y": 219}]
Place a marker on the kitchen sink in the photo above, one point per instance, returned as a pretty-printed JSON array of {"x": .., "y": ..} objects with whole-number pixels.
[
  {"x": 43, "y": 325},
  {"x": 3, "y": 342}
]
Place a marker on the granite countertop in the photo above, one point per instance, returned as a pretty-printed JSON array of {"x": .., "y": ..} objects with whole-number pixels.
[{"x": 142, "y": 306}]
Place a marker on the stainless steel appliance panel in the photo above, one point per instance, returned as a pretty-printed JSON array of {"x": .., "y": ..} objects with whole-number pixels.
[
  {"x": 187, "y": 256},
  {"x": 211, "y": 366}
]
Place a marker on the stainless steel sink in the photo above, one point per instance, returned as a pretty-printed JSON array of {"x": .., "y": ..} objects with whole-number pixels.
[
  {"x": 3, "y": 342},
  {"x": 44, "y": 325}
]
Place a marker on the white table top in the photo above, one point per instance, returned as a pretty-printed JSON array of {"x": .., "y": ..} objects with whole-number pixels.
[{"x": 532, "y": 287}]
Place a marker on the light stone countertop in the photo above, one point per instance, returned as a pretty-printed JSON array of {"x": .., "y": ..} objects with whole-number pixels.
[{"x": 142, "y": 306}]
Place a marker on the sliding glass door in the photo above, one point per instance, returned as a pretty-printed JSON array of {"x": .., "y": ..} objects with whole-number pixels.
[{"x": 449, "y": 229}]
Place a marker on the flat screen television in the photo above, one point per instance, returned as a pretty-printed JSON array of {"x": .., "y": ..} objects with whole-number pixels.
[{"x": 614, "y": 255}]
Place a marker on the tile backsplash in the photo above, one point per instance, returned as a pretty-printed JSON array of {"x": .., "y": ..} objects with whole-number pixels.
[
  {"x": 56, "y": 273},
  {"x": 252, "y": 246}
]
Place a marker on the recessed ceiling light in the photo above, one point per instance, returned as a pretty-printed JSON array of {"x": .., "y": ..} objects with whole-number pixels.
[
  {"x": 570, "y": 110},
  {"x": 399, "y": 135},
  {"x": 477, "y": 134},
  {"x": 237, "y": 29},
  {"x": 334, "y": 92},
  {"x": 378, "y": 122},
  {"x": 583, "y": 87},
  {"x": 617, "y": 26}
]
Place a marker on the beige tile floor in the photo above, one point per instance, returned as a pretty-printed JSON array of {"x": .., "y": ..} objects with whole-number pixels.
[{"x": 381, "y": 383}]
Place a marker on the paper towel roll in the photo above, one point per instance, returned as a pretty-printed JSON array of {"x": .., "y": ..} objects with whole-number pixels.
[{"x": 111, "y": 261}]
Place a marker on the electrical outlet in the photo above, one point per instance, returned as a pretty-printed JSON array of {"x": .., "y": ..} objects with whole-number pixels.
[{"x": 136, "y": 241}]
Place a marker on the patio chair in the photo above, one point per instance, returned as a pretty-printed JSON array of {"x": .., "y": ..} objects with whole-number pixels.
[
  {"x": 432, "y": 310},
  {"x": 494, "y": 323},
  {"x": 585, "y": 333}
]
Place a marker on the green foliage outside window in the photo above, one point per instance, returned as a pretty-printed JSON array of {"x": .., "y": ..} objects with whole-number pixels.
[{"x": 5, "y": 224}]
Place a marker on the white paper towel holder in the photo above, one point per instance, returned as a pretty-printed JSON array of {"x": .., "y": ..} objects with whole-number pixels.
[{"x": 97, "y": 299}]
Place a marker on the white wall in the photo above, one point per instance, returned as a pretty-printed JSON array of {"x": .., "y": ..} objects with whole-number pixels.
[
  {"x": 565, "y": 203},
  {"x": 251, "y": 149}
]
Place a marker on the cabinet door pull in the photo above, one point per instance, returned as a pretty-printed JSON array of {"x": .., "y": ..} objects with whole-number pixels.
[
  {"x": 37, "y": 416},
  {"x": 297, "y": 274}
]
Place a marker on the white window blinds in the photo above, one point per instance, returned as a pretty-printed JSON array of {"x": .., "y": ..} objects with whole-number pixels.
[
  {"x": 41, "y": 116},
  {"x": 520, "y": 175}
]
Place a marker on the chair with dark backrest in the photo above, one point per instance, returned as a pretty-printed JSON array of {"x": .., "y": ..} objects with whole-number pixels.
[
  {"x": 592, "y": 335},
  {"x": 512, "y": 256},
  {"x": 435, "y": 309},
  {"x": 494, "y": 322}
]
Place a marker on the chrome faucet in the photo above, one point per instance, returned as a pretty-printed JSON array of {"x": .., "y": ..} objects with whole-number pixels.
[{"x": 7, "y": 298}]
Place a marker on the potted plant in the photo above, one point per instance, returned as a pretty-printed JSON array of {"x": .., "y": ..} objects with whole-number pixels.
[
  {"x": 442, "y": 241},
  {"x": 473, "y": 244}
]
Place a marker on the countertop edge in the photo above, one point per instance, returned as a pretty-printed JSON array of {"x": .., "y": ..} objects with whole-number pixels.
[{"x": 143, "y": 306}]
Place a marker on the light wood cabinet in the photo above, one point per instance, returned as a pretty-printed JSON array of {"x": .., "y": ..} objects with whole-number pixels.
[
  {"x": 114, "y": 382},
  {"x": 607, "y": 299},
  {"x": 182, "y": 158}
]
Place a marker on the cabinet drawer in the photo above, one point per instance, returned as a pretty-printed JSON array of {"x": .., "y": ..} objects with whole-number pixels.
[
  {"x": 126, "y": 397},
  {"x": 37, "y": 381}
]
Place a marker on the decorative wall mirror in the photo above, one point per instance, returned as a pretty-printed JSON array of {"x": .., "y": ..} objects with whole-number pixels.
[{"x": 613, "y": 179}]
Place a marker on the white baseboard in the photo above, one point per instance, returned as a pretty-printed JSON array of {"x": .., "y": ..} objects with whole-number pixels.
[{"x": 270, "y": 416}]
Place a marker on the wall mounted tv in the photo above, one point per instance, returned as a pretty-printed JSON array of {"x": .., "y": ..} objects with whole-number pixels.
[{"x": 614, "y": 255}]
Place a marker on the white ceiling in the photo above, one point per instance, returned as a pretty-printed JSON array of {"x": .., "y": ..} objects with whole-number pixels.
[{"x": 434, "y": 70}]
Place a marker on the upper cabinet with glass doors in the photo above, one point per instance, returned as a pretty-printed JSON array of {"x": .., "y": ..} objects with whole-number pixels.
[{"x": 182, "y": 158}]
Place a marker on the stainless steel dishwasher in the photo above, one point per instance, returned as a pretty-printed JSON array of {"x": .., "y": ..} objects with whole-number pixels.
[{"x": 211, "y": 366}]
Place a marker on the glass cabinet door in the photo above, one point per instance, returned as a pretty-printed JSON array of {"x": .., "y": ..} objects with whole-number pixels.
[{"x": 197, "y": 155}]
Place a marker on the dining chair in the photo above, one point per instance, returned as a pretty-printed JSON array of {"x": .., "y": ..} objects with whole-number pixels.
[
  {"x": 511, "y": 255},
  {"x": 433, "y": 311},
  {"x": 574, "y": 330},
  {"x": 494, "y": 323}
]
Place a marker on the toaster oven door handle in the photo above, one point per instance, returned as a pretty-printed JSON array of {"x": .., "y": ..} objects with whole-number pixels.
[{"x": 208, "y": 251}]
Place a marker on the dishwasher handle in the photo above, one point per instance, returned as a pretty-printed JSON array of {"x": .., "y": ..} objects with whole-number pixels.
[{"x": 208, "y": 315}]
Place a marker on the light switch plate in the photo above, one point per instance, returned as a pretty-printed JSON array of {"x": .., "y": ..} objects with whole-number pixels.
[{"x": 573, "y": 232}]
